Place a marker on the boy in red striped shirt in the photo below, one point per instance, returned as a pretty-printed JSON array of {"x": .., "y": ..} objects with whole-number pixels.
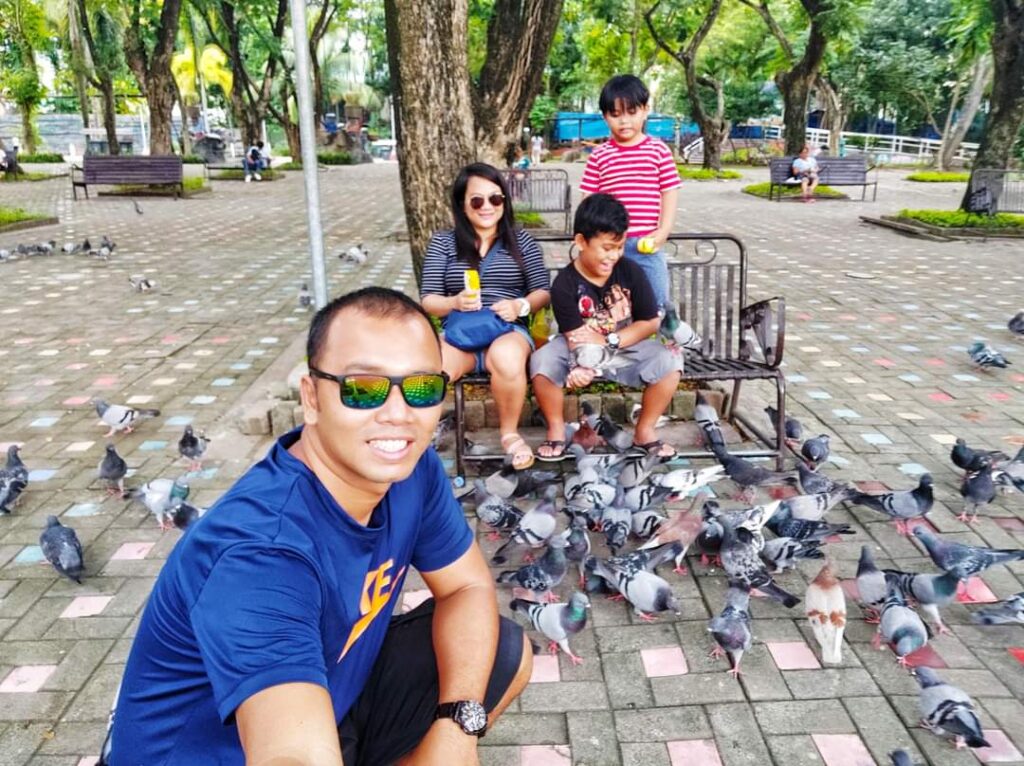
[{"x": 639, "y": 171}]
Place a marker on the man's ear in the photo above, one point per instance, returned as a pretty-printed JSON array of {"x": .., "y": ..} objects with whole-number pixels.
[
  {"x": 580, "y": 241},
  {"x": 310, "y": 402}
]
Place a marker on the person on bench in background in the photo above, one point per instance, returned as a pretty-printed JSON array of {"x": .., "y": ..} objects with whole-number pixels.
[
  {"x": 607, "y": 314},
  {"x": 805, "y": 170},
  {"x": 254, "y": 162},
  {"x": 513, "y": 283}
]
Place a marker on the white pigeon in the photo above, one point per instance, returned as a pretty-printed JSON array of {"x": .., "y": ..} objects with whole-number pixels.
[
  {"x": 162, "y": 497},
  {"x": 356, "y": 254},
  {"x": 826, "y": 611},
  {"x": 634, "y": 416},
  {"x": 121, "y": 417},
  {"x": 683, "y": 481}
]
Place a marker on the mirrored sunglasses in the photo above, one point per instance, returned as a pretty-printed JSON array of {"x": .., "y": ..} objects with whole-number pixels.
[{"x": 367, "y": 392}]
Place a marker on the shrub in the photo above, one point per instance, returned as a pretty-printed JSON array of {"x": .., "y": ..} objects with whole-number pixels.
[
  {"x": 530, "y": 219},
  {"x": 939, "y": 177},
  {"x": 334, "y": 158},
  {"x": 705, "y": 174},
  {"x": 195, "y": 184},
  {"x": 192, "y": 159},
  {"x": 9, "y": 215},
  {"x": 39, "y": 157},
  {"x": 293, "y": 165},
  {"x": 761, "y": 190},
  {"x": 237, "y": 174},
  {"x": 26, "y": 176},
  {"x": 958, "y": 219}
]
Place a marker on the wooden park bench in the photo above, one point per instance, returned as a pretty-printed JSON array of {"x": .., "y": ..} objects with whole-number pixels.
[
  {"x": 741, "y": 341},
  {"x": 832, "y": 171},
  {"x": 135, "y": 169},
  {"x": 541, "y": 190}
]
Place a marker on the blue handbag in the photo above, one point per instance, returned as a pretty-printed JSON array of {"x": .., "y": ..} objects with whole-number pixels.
[{"x": 475, "y": 330}]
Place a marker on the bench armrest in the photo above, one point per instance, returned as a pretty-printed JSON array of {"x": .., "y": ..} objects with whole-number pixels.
[{"x": 768, "y": 324}]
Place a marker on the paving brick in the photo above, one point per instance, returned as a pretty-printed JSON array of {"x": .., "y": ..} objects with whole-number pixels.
[
  {"x": 592, "y": 738},
  {"x": 830, "y": 683},
  {"x": 565, "y": 696},
  {"x": 625, "y": 681},
  {"x": 529, "y": 729},
  {"x": 662, "y": 724},
  {"x": 644, "y": 754},
  {"x": 794, "y": 750},
  {"x": 696, "y": 687},
  {"x": 739, "y": 740},
  {"x": 798, "y": 717}
]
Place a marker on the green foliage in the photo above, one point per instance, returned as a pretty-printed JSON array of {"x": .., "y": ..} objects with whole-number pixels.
[
  {"x": 195, "y": 184},
  {"x": 706, "y": 174},
  {"x": 761, "y": 190},
  {"x": 12, "y": 178},
  {"x": 543, "y": 109},
  {"x": 192, "y": 159},
  {"x": 530, "y": 219},
  {"x": 237, "y": 174},
  {"x": 334, "y": 158},
  {"x": 9, "y": 215},
  {"x": 935, "y": 176},
  {"x": 39, "y": 157},
  {"x": 293, "y": 165},
  {"x": 958, "y": 219},
  {"x": 753, "y": 155}
]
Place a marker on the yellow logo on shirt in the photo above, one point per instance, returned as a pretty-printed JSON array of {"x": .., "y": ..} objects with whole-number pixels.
[{"x": 376, "y": 593}]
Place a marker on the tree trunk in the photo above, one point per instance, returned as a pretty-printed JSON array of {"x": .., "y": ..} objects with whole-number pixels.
[
  {"x": 28, "y": 133},
  {"x": 161, "y": 109},
  {"x": 795, "y": 93},
  {"x": 429, "y": 69},
  {"x": 110, "y": 115},
  {"x": 153, "y": 70},
  {"x": 81, "y": 89},
  {"x": 1007, "y": 100},
  {"x": 954, "y": 134},
  {"x": 941, "y": 161},
  {"x": 833, "y": 114}
]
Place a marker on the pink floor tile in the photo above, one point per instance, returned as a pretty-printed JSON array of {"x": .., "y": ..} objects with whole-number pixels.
[
  {"x": 27, "y": 678},
  {"x": 926, "y": 657},
  {"x": 664, "y": 661},
  {"x": 842, "y": 750},
  {"x": 89, "y": 760},
  {"x": 975, "y": 591},
  {"x": 999, "y": 396},
  {"x": 793, "y": 655},
  {"x": 933, "y": 362},
  {"x": 86, "y": 606},
  {"x": 885, "y": 362},
  {"x": 545, "y": 755},
  {"x": 871, "y": 486},
  {"x": 545, "y": 669},
  {"x": 132, "y": 551},
  {"x": 693, "y": 752},
  {"x": 939, "y": 396},
  {"x": 74, "y": 401},
  {"x": 1002, "y": 750},
  {"x": 1017, "y": 652},
  {"x": 105, "y": 381},
  {"x": 413, "y": 598},
  {"x": 1010, "y": 524},
  {"x": 850, "y": 589}
]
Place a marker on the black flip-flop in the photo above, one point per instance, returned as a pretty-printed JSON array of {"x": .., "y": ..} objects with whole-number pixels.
[
  {"x": 553, "y": 444},
  {"x": 654, "y": 448}
]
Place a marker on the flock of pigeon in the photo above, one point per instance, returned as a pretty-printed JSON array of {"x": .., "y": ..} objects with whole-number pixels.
[
  {"x": 103, "y": 251},
  {"x": 985, "y": 357},
  {"x": 621, "y": 495},
  {"x": 165, "y": 498}
]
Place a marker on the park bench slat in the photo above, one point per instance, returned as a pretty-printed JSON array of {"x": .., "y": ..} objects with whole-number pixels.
[{"x": 148, "y": 170}]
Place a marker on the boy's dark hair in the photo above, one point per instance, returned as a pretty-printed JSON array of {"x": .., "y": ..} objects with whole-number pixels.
[
  {"x": 259, "y": 144},
  {"x": 623, "y": 91},
  {"x": 378, "y": 302},
  {"x": 600, "y": 214},
  {"x": 466, "y": 245}
]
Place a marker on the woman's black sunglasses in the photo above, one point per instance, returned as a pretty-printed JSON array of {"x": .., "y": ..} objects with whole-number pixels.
[
  {"x": 368, "y": 392},
  {"x": 496, "y": 200}
]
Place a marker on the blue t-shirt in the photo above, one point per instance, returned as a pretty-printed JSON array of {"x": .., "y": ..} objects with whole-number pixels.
[{"x": 275, "y": 584}]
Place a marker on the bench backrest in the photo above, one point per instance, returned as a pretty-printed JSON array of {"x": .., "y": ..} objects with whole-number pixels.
[
  {"x": 99, "y": 169},
  {"x": 707, "y": 282},
  {"x": 543, "y": 191},
  {"x": 837, "y": 170}
]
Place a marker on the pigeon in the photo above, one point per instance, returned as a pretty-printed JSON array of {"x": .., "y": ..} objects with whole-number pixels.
[
  {"x": 637, "y": 468},
  {"x": 544, "y": 575},
  {"x": 645, "y": 524},
  {"x": 680, "y": 529},
  {"x": 706, "y": 417},
  {"x": 814, "y": 507},
  {"x": 930, "y": 591},
  {"x": 826, "y": 611},
  {"x": 900, "y": 758},
  {"x": 70, "y": 248},
  {"x": 871, "y": 585},
  {"x": 970, "y": 459},
  {"x": 577, "y": 543},
  {"x": 731, "y": 627},
  {"x": 628, "y": 564},
  {"x": 46, "y": 248},
  {"x": 985, "y": 357},
  {"x": 192, "y": 447},
  {"x": 900, "y": 626},
  {"x": 509, "y": 483},
  {"x": 141, "y": 284},
  {"x": 1007, "y": 611},
  {"x": 782, "y": 553},
  {"x": 558, "y": 621},
  {"x": 604, "y": 467},
  {"x": 112, "y": 469},
  {"x": 784, "y": 525},
  {"x": 534, "y": 529},
  {"x": 813, "y": 483},
  {"x": 13, "y": 479},
  {"x": 679, "y": 332},
  {"x": 684, "y": 481},
  {"x": 794, "y": 428},
  {"x": 742, "y": 562},
  {"x": 901, "y": 506},
  {"x": 648, "y": 496},
  {"x": 816, "y": 450},
  {"x": 748, "y": 476},
  {"x": 964, "y": 560},
  {"x": 4, "y": 254},
  {"x": 977, "y": 489},
  {"x": 647, "y": 592},
  {"x": 1016, "y": 323},
  {"x": 161, "y": 497},
  {"x": 617, "y": 521},
  {"x": 357, "y": 254},
  {"x": 62, "y": 549},
  {"x": 945, "y": 710},
  {"x": 120, "y": 417},
  {"x": 634, "y": 416},
  {"x": 184, "y": 514},
  {"x": 1009, "y": 474},
  {"x": 305, "y": 297},
  {"x": 497, "y": 513},
  {"x": 137, "y": 206},
  {"x": 614, "y": 435},
  {"x": 443, "y": 431}
]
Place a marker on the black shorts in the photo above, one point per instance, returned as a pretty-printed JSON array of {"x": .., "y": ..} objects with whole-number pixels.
[{"x": 396, "y": 707}]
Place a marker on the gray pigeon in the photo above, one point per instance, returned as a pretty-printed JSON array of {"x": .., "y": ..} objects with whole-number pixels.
[
  {"x": 533, "y": 530},
  {"x": 794, "y": 429},
  {"x": 900, "y": 758},
  {"x": 813, "y": 483},
  {"x": 742, "y": 562},
  {"x": 706, "y": 417},
  {"x": 614, "y": 435},
  {"x": 13, "y": 479},
  {"x": 731, "y": 628},
  {"x": 192, "y": 446},
  {"x": 816, "y": 450},
  {"x": 141, "y": 284},
  {"x": 627, "y": 564},
  {"x": 120, "y": 417},
  {"x": 970, "y": 459},
  {"x": 985, "y": 357},
  {"x": 557, "y": 622},
  {"x": 946, "y": 710},
  {"x": 784, "y": 525},
  {"x": 112, "y": 469},
  {"x": 616, "y": 524},
  {"x": 814, "y": 507},
  {"x": 648, "y": 593},
  {"x": 900, "y": 627},
  {"x": 871, "y": 585},
  {"x": 637, "y": 468},
  {"x": 544, "y": 575},
  {"x": 901, "y": 506},
  {"x": 1016, "y": 323},
  {"x": 62, "y": 549},
  {"x": 497, "y": 513},
  {"x": 646, "y": 524},
  {"x": 749, "y": 476},
  {"x": 161, "y": 497},
  {"x": 930, "y": 591},
  {"x": 782, "y": 553},
  {"x": 977, "y": 489},
  {"x": 577, "y": 543},
  {"x": 1009, "y": 474},
  {"x": 305, "y": 297},
  {"x": 684, "y": 481},
  {"x": 1008, "y": 611},
  {"x": 964, "y": 560},
  {"x": 646, "y": 496}
]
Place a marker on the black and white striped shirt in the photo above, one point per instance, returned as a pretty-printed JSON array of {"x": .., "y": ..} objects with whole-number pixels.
[{"x": 501, "y": 278}]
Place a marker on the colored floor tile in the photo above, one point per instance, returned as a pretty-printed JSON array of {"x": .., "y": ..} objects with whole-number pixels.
[
  {"x": 939, "y": 396},
  {"x": 41, "y": 474},
  {"x": 913, "y": 469},
  {"x": 793, "y": 655},
  {"x": 132, "y": 551},
  {"x": 86, "y": 606},
  {"x": 545, "y": 669},
  {"x": 151, "y": 445},
  {"x": 82, "y": 509},
  {"x": 1017, "y": 653},
  {"x": 693, "y": 752},
  {"x": 664, "y": 661},
  {"x": 927, "y": 657},
  {"x": 178, "y": 420},
  {"x": 26, "y": 678},
  {"x": 946, "y": 439},
  {"x": 45, "y": 422},
  {"x": 202, "y": 399},
  {"x": 975, "y": 591},
  {"x": 139, "y": 399},
  {"x": 876, "y": 439},
  {"x": 842, "y": 750},
  {"x": 30, "y": 554},
  {"x": 78, "y": 446},
  {"x": 1002, "y": 750},
  {"x": 545, "y": 755},
  {"x": 1012, "y": 524}
]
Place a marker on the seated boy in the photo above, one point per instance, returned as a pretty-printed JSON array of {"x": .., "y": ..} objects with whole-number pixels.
[{"x": 603, "y": 303}]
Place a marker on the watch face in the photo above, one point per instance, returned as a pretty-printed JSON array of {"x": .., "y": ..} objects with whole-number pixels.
[{"x": 472, "y": 717}]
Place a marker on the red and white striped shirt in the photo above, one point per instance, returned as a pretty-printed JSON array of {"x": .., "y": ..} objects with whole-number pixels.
[{"x": 636, "y": 176}]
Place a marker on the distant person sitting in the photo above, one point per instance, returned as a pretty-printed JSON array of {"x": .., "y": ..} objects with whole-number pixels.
[
  {"x": 253, "y": 162},
  {"x": 805, "y": 170}
]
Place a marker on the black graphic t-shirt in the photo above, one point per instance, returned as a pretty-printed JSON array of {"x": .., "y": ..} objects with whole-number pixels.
[{"x": 625, "y": 298}]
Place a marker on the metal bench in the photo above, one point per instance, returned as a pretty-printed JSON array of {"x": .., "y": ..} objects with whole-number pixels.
[
  {"x": 997, "y": 191},
  {"x": 832, "y": 171},
  {"x": 138, "y": 169},
  {"x": 542, "y": 191},
  {"x": 708, "y": 282}
]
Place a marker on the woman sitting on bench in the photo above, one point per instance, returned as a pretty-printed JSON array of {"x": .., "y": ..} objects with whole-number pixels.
[
  {"x": 512, "y": 283},
  {"x": 805, "y": 170}
]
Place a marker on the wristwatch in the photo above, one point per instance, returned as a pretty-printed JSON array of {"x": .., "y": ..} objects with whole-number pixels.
[
  {"x": 613, "y": 341},
  {"x": 524, "y": 307},
  {"x": 470, "y": 715}
]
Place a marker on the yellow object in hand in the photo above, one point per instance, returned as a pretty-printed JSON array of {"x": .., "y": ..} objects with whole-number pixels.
[
  {"x": 471, "y": 280},
  {"x": 646, "y": 245}
]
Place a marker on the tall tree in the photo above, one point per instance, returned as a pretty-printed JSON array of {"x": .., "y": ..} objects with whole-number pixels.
[
  {"x": 970, "y": 27},
  {"x": 149, "y": 57},
  {"x": 22, "y": 33},
  {"x": 104, "y": 44}
]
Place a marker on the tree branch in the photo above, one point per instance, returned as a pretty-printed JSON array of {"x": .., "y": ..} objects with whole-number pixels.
[{"x": 774, "y": 27}]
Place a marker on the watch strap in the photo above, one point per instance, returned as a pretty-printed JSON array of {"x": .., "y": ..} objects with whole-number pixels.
[{"x": 452, "y": 710}]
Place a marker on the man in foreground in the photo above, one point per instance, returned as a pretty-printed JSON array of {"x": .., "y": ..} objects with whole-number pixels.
[{"x": 267, "y": 637}]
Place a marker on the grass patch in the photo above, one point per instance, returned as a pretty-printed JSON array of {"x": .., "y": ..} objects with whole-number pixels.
[
  {"x": 706, "y": 174},
  {"x": 958, "y": 219},
  {"x": 761, "y": 190},
  {"x": 939, "y": 177},
  {"x": 192, "y": 159},
  {"x": 293, "y": 165},
  {"x": 10, "y": 178},
  {"x": 189, "y": 186},
  {"x": 9, "y": 215},
  {"x": 530, "y": 219},
  {"x": 334, "y": 158},
  {"x": 237, "y": 174},
  {"x": 195, "y": 184},
  {"x": 40, "y": 157}
]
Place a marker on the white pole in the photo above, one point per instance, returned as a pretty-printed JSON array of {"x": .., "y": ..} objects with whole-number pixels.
[{"x": 307, "y": 134}]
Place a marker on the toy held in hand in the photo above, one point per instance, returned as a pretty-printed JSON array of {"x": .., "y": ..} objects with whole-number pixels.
[{"x": 646, "y": 245}]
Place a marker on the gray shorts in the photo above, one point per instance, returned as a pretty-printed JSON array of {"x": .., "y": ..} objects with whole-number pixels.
[{"x": 648, "y": 362}]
